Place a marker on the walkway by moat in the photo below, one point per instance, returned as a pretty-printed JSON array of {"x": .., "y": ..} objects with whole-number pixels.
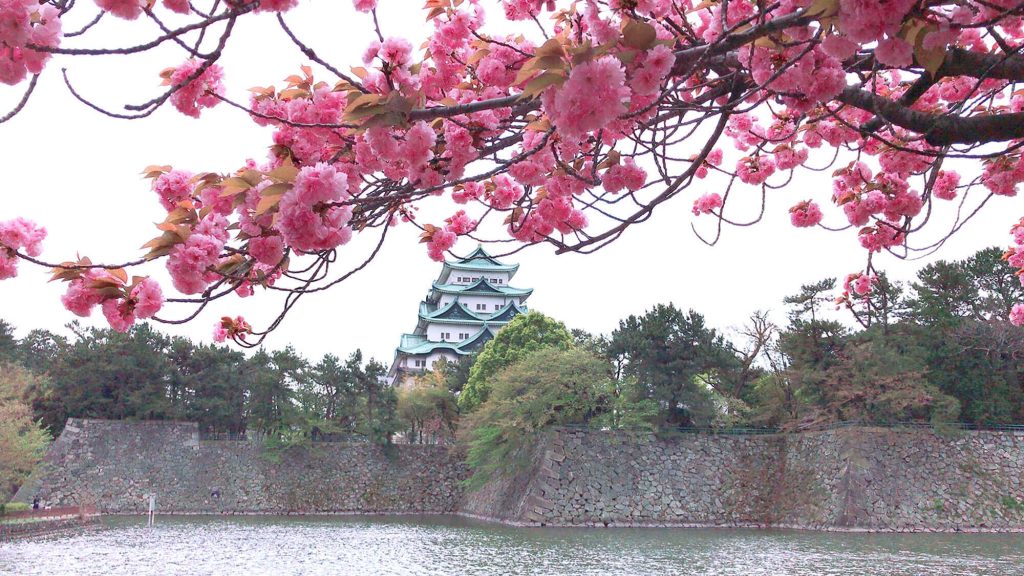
[{"x": 313, "y": 546}]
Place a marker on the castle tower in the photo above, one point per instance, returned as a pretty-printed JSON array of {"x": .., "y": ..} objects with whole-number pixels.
[{"x": 466, "y": 305}]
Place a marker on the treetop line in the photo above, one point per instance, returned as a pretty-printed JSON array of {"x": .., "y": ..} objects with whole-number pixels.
[{"x": 569, "y": 132}]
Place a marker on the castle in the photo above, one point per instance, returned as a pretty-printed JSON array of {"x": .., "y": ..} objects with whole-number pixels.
[{"x": 465, "y": 306}]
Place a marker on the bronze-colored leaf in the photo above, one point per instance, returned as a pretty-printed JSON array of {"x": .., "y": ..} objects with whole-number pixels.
[
  {"x": 266, "y": 204},
  {"x": 639, "y": 35}
]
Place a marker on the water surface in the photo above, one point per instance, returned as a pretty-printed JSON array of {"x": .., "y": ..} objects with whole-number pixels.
[{"x": 335, "y": 545}]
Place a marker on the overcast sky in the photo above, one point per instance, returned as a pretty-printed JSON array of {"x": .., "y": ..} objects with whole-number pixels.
[{"x": 78, "y": 173}]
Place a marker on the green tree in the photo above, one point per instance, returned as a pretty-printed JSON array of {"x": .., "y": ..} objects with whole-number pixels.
[
  {"x": 811, "y": 343},
  {"x": 427, "y": 409},
  {"x": 881, "y": 379},
  {"x": 330, "y": 395},
  {"x": 525, "y": 334},
  {"x": 208, "y": 385},
  {"x": 107, "y": 374},
  {"x": 23, "y": 440},
  {"x": 958, "y": 316},
  {"x": 9, "y": 351},
  {"x": 380, "y": 402},
  {"x": 40, "y": 350},
  {"x": 665, "y": 351},
  {"x": 549, "y": 386},
  {"x": 456, "y": 374},
  {"x": 270, "y": 406}
]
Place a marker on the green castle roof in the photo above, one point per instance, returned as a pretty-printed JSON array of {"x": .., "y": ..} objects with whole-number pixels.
[
  {"x": 481, "y": 286},
  {"x": 417, "y": 344},
  {"x": 477, "y": 261},
  {"x": 457, "y": 313},
  {"x": 454, "y": 310}
]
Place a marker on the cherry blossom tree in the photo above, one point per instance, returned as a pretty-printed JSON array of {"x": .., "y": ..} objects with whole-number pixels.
[{"x": 567, "y": 132}]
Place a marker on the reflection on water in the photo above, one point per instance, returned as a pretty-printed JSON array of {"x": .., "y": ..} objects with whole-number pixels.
[{"x": 311, "y": 546}]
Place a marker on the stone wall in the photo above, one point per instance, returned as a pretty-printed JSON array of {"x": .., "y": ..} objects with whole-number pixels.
[
  {"x": 849, "y": 479},
  {"x": 117, "y": 464},
  {"x": 856, "y": 479}
]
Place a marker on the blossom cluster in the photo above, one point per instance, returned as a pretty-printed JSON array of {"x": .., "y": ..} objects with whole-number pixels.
[
  {"x": 15, "y": 235},
  {"x": 25, "y": 23},
  {"x": 543, "y": 129},
  {"x": 198, "y": 85},
  {"x": 121, "y": 304}
]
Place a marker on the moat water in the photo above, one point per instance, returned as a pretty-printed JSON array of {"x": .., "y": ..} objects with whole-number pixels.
[{"x": 333, "y": 545}]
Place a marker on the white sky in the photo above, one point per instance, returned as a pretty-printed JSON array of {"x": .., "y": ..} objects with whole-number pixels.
[{"x": 78, "y": 173}]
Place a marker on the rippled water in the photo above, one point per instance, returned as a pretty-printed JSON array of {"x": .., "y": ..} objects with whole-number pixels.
[{"x": 435, "y": 545}]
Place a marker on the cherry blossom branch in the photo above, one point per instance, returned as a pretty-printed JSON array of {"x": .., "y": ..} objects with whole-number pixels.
[
  {"x": 938, "y": 130},
  {"x": 24, "y": 100},
  {"x": 227, "y": 15}
]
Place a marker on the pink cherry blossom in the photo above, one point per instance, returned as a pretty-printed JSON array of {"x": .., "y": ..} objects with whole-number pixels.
[
  {"x": 707, "y": 204},
  {"x": 147, "y": 298},
  {"x": 309, "y": 218},
  {"x": 189, "y": 262},
  {"x": 441, "y": 241},
  {"x": 878, "y": 238},
  {"x": 839, "y": 47},
  {"x": 277, "y": 5},
  {"x": 229, "y": 327},
  {"x": 895, "y": 52},
  {"x": 173, "y": 187},
  {"x": 625, "y": 175},
  {"x": 395, "y": 51},
  {"x": 460, "y": 223},
  {"x": 867, "y": 20},
  {"x": 1017, "y": 315},
  {"x": 859, "y": 283},
  {"x": 199, "y": 92},
  {"x": 15, "y": 23},
  {"x": 127, "y": 9},
  {"x": 119, "y": 314},
  {"x": 24, "y": 22},
  {"x": 8, "y": 265},
  {"x": 267, "y": 250},
  {"x": 80, "y": 298},
  {"x": 179, "y": 6},
  {"x": 592, "y": 97},
  {"x": 1002, "y": 176},
  {"x": 364, "y": 5},
  {"x": 755, "y": 169},
  {"x": 24, "y": 234},
  {"x": 18, "y": 235},
  {"x": 506, "y": 192},
  {"x": 805, "y": 214},
  {"x": 467, "y": 192}
]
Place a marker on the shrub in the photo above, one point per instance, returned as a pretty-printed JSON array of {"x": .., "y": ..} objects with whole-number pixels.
[{"x": 548, "y": 387}]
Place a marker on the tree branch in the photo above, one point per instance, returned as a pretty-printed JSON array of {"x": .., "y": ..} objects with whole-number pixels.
[{"x": 938, "y": 130}]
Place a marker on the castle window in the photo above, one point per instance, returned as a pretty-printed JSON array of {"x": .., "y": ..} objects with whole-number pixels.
[
  {"x": 497, "y": 306},
  {"x": 481, "y": 306}
]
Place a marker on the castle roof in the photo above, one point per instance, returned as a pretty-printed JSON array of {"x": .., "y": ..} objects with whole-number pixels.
[
  {"x": 479, "y": 288},
  {"x": 416, "y": 344},
  {"x": 477, "y": 261},
  {"x": 456, "y": 312}
]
